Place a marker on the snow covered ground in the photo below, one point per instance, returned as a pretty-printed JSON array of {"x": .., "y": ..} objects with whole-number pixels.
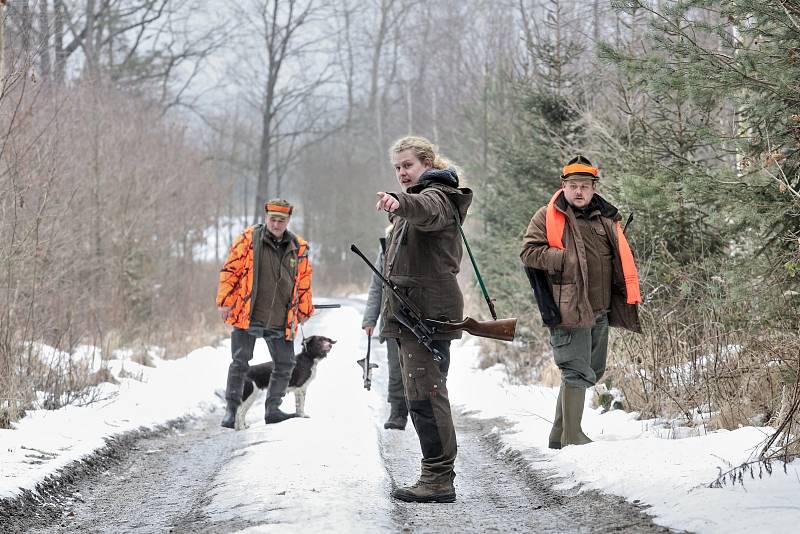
[{"x": 638, "y": 460}]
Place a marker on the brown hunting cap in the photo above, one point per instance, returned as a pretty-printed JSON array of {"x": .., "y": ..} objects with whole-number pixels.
[{"x": 278, "y": 207}]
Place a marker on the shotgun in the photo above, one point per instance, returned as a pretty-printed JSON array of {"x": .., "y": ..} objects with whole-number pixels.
[
  {"x": 424, "y": 329},
  {"x": 406, "y": 313}
]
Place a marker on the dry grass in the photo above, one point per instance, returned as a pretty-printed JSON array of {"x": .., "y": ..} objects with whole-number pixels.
[
  {"x": 527, "y": 360},
  {"x": 688, "y": 366},
  {"x": 61, "y": 379}
]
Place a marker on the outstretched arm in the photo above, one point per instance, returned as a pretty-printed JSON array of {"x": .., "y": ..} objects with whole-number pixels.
[{"x": 429, "y": 210}]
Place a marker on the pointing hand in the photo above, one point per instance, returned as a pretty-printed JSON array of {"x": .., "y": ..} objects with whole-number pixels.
[{"x": 386, "y": 202}]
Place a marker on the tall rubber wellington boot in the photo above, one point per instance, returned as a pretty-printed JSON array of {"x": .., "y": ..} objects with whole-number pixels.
[
  {"x": 555, "y": 434},
  {"x": 229, "y": 419},
  {"x": 572, "y": 413}
]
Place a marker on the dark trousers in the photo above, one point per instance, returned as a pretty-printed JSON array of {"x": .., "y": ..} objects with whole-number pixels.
[
  {"x": 425, "y": 383},
  {"x": 282, "y": 353},
  {"x": 396, "y": 393}
]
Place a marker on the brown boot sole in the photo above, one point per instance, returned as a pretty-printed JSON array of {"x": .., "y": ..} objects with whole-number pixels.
[{"x": 406, "y": 496}]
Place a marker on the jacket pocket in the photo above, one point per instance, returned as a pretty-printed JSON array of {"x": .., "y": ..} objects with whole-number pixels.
[
  {"x": 597, "y": 228},
  {"x": 565, "y": 295}
]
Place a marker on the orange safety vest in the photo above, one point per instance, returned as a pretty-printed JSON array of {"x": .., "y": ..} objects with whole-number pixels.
[
  {"x": 555, "y": 221},
  {"x": 236, "y": 285}
]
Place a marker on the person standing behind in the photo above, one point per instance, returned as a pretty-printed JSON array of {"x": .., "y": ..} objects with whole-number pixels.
[
  {"x": 423, "y": 258},
  {"x": 265, "y": 291},
  {"x": 396, "y": 396},
  {"x": 577, "y": 240}
]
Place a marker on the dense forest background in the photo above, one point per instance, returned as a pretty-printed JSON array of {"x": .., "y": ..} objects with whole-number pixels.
[{"x": 138, "y": 136}]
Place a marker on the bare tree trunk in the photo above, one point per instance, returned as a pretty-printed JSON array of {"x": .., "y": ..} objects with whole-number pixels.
[
  {"x": 44, "y": 40},
  {"x": 2, "y": 46},
  {"x": 278, "y": 171},
  {"x": 374, "y": 104},
  {"x": 280, "y": 22},
  {"x": 558, "y": 64},
  {"x": 409, "y": 109},
  {"x": 383, "y": 104},
  {"x": 26, "y": 29},
  {"x": 485, "y": 121},
  {"x": 377, "y": 51},
  {"x": 88, "y": 41},
  {"x": 596, "y": 22},
  {"x": 347, "y": 62},
  {"x": 434, "y": 113},
  {"x": 262, "y": 189},
  {"x": 58, "y": 41}
]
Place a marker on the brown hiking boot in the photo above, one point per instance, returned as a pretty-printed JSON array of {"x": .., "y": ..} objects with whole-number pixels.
[{"x": 426, "y": 492}]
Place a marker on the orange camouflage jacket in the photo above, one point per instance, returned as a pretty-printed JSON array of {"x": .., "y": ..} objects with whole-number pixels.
[{"x": 236, "y": 283}]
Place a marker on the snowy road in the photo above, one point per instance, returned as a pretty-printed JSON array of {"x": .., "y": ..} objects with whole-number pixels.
[{"x": 329, "y": 473}]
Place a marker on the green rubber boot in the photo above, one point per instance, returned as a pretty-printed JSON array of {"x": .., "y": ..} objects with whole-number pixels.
[
  {"x": 572, "y": 411},
  {"x": 555, "y": 434}
]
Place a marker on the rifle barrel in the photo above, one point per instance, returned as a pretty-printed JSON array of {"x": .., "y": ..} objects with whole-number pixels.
[{"x": 392, "y": 287}]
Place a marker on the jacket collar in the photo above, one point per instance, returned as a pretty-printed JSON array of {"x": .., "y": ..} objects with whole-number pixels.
[
  {"x": 446, "y": 177},
  {"x": 266, "y": 237},
  {"x": 598, "y": 203}
]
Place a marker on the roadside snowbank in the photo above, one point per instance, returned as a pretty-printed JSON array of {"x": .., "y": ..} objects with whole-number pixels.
[
  {"x": 638, "y": 460},
  {"x": 631, "y": 458},
  {"x": 44, "y": 441}
]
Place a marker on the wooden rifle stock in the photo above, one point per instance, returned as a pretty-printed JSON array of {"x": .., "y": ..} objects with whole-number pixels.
[
  {"x": 502, "y": 329},
  {"x": 424, "y": 329}
]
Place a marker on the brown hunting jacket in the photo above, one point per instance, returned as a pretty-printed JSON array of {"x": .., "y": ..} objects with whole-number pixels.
[
  {"x": 567, "y": 269},
  {"x": 424, "y": 251}
]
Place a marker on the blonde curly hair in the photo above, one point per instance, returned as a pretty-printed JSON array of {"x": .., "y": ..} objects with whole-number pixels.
[{"x": 424, "y": 150}]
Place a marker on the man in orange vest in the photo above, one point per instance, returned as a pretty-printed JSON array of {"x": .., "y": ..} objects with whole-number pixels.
[
  {"x": 265, "y": 291},
  {"x": 588, "y": 282}
]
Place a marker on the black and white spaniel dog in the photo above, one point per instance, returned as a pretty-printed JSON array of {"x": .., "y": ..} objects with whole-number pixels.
[{"x": 314, "y": 349}]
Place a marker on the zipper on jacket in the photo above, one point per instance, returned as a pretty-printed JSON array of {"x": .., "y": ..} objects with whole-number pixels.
[
  {"x": 281, "y": 259},
  {"x": 259, "y": 228}
]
